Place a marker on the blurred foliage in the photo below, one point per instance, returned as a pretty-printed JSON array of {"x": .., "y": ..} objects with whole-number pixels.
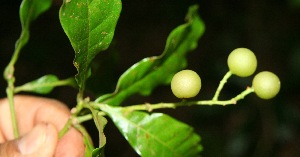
[{"x": 294, "y": 4}]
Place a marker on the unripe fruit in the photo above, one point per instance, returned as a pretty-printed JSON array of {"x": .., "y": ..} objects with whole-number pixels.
[
  {"x": 186, "y": 84},
  {"x": 242, "y": 62},
  {"x": 266, "y": 85}
]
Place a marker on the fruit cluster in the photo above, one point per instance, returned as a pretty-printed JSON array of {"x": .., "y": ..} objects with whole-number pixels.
[{"x": 241, "y": 62}]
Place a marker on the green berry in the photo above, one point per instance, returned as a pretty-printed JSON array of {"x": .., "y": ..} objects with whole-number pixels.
[
  {"x": 186, "y": 84},
  {"x": 242, "y": 62},
  {"x": 266, "y": 85}
]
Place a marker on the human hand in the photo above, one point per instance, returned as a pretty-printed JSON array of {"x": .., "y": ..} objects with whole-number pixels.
[{"x": 39, "y": 121}]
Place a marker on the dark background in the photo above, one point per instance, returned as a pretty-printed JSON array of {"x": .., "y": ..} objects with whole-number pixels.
[{"x": 253, "y": 127}]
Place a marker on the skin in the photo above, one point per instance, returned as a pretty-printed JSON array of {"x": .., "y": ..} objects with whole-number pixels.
[{"x": 45, "y": 115}]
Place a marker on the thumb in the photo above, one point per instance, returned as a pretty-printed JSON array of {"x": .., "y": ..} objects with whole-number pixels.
[{"x": 40, "y": 141}]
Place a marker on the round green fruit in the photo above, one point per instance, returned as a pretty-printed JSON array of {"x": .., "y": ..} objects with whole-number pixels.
[
  {"x": 186, "y": 84},
  {"x": 242, "y": 62},
  {"x": 266, "y": 85}
]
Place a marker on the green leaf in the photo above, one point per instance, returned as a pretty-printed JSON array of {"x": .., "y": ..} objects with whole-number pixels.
[
  {"x": 44, "y": 84},
  {"x": 156, "y": 134},
  {"x": 98, "y": 152},
  {"x": 150, "y": 72},
  {"x": 90, "y": 26},
  {"x": 100, "y": 122},
  {"x": 29, "y": 11}
]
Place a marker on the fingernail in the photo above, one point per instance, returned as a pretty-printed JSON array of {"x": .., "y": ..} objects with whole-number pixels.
[{"x": 33, "y": 140}]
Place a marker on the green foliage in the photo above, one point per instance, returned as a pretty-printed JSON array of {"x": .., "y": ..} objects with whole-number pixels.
[
  {"x": 45, "y": 84},
  {"x": 150, "y": 72},
  {"x": 100, "y": 122},
  {"x": 29, "y": 11},
  {"x": 90, "y": 27},
  {"x": 42, "y": 85},
  {"x": 156, "y": 134},
  {"x": 142, "y": 78}
]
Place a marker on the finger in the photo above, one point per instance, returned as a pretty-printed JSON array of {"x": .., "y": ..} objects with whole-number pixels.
[
  {"x": 31, "y": 111},
  {"x": 71, "y": 145},
  {"x": 40, "y": 141},
  {"x": 55, "y": 112}
]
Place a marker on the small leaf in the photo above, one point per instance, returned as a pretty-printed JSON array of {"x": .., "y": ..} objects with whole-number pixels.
[
  {"x": 156, "y": 134},
  {"x": 150, "y": 72},
  {"x": 100, "y": 122},
  {"x": 29, "y": 11},
  {"x": 44, "y": 85},
  {"x": 90, "y": 27}
]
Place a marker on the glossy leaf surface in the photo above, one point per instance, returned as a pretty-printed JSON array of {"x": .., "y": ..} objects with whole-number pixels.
[
  {"x": 155, "y": 134},
  {"x": 150, "y": 72},
  {"x": 45, "y": 84},
  {"x": 90, "y": 26},
  {"x": 41, "y": 85}
]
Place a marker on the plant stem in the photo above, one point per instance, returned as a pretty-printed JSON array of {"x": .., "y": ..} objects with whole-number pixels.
[
  {"x": 149, "y": 107},
  {"x": 71, "y": 121},
  {"x": 66, "y": 128},
  {"x": 74, "y": 118},
  {"x": 84, "y": 118},
  {"x": 9, "y": 77},
  {"x": 146, "y": 107},
  {"x": 243, "y": 94},
  {"x": 10, "y": 98},
  {"x": 86, "y": 138},
  {"x": 221, "y": 85}
]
